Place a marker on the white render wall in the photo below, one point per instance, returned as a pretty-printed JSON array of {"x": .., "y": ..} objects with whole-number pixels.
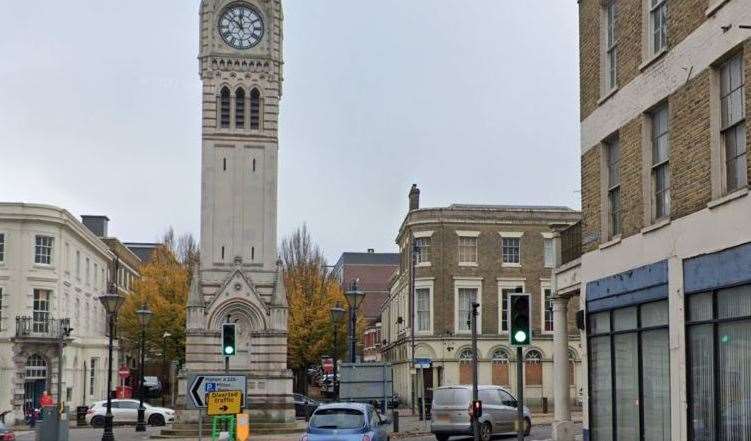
[{"x": 72, "y": 296}]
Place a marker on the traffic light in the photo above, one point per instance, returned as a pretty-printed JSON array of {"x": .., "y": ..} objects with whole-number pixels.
[
  {"x": 475, "y": 409},
  {"x": 229, "y": 346},
  {"x": 520, "y": 331}
]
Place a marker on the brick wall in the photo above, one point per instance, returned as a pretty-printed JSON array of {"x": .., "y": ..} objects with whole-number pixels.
[
  {"x": 684, "y": 16},
  {"x": 690, "y": 158},
  {"x": 444, "y": 265},
  {"x": 590, "y": 187},
  {"x": 629, "y": 27},
  {"x": 632, "y": 194},
  {"x": 589, "y": 59}
]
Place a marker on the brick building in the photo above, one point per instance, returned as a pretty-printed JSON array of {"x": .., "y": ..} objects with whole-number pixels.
[
  {"x": 372, "y": 271},
  {"x": 470, "y": 252},
  {"x": 665, "y": 268}
]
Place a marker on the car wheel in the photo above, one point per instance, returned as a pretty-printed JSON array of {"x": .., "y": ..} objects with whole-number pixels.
[
  {"x": 97, "y": 421},
  {"x": 442, "y": 437},
  {"x": 156, "y": 420},
  {"x": 527, "y": 426},
  {"x": 485, "y": 431}
]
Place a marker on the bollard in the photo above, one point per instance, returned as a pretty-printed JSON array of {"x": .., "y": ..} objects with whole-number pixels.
[
  {"x": 396, "y": 421},
  {"x": 544, "y": 404}
]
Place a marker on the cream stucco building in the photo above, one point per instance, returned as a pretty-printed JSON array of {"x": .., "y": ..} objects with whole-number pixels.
[{"x": 52, "y": 271}]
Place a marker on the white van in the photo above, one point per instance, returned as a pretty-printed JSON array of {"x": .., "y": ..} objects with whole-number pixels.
[{"x": 451, "y": 406}]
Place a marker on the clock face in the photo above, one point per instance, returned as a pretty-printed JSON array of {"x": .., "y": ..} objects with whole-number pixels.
[{"x": 241, "y": 26}]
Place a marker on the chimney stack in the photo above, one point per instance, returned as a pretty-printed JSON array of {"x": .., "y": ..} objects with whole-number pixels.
[
  {"x": 96, "y": 224},
  {"x": 414, "y": 198}
]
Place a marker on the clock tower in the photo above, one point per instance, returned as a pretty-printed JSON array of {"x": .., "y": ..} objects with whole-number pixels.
[{"x": 239, "y": 279}]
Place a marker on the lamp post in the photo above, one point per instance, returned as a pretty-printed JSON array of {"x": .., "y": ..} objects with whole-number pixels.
[
  {"x": 354, "y": 299},
  {"x": 144, "y": 315},
  {"x": 337, "y": 312},
  {"x": 165, "y": 375},
  {"x": 112, "y": 302}
]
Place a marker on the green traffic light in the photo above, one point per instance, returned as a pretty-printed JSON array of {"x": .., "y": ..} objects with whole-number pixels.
[
  {"x": 520, "y": 336},
  {"x": 228, "y": 350}
]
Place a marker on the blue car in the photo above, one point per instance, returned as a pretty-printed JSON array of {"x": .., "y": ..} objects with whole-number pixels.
[{"x": 346, "y": 422}]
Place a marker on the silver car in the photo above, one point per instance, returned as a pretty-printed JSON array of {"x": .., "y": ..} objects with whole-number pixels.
[{"x": 451, "y": 406}]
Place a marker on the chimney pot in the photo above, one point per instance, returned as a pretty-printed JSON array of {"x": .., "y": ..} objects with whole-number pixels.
[
  {"x": 414, "y": 198},
  {"x": 96, "y": 224}
]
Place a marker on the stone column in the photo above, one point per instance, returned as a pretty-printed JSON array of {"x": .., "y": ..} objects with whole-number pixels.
[{"x": 563, "y": 427}]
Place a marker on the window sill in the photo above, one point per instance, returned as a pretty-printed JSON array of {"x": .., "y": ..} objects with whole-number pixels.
[
  {"x": 614, "y": 241},
  {"x": 715, "y": 7},
  {"x": 653, "y": 59},
  {"x": 468, "y": 264},
  {"x": 511, "y": 265},
  {"x": 46, "y": 266},
  {"x": 423, "y": 264},
  {"x": 727, "y": 198},
  {"x": 656, "y": 226},
  {"x": 607, "y": 95}
]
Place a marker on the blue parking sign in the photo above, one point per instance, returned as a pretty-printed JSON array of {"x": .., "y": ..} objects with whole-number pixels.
[{"x": 211, "y": 387}]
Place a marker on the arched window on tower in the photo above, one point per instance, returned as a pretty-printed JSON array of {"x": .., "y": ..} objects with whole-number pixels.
[
  {"x": 240, "y": 108},
  {"x": 224, "y": 108},
  {"x": 255, "y": 109}
]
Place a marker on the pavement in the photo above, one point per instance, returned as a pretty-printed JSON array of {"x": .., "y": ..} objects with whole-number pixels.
[{"x": 411, "y": 429}]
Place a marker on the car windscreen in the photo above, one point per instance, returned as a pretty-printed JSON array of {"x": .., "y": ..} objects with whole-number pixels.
[
  {"x": 337, "y": 419},
  {"x": 451, "y": 397}
]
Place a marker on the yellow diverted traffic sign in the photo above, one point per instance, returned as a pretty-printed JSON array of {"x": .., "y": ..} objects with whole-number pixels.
[{"x": 226, "y": 402}]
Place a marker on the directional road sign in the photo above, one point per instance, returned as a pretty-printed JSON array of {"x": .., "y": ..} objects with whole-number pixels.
[
  {"x": 201, "y": 384},
  {"x": 226, "y": 402}
]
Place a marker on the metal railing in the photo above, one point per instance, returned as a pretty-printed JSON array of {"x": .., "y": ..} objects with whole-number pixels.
[
  {"x": 571, "y": 243},
  {"x": 41, "y": 326}
]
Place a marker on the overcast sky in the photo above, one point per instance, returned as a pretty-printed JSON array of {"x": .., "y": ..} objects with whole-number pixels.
[{"x": 476, "y": 101}]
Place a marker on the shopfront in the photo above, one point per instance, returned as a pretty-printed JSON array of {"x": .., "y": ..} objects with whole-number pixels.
[
  {"x": 718, "y": 339},
  {"x": 629, "y": 363}
]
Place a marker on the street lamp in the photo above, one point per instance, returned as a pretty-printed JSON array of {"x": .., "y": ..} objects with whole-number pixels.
[
  {"x": 144, "y": 315},
  {"x": 354, "y": 299},
  {"x": 165, "y": 375},
  {"x": 112, "y": 302},
  {"x": 337, "y": 312}
]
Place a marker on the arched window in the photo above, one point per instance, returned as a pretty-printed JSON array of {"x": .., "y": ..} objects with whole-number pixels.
[
  {"x": 36, "y": 368},
  {"x": 500, "y": 364},
  {"x": 571, "y": 368},
  {"x": 240, "y": 108},
  {"x": 255, "y": 109},
  {"x": 533, "y": 368},
  {"x": 224, "y": 108},
  {"x": 465, "y": 366}
]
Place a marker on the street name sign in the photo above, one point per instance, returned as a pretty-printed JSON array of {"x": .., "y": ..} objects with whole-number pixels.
[
  {"x": 227, "y": 402},
  {"x": 199, "y": 385}
]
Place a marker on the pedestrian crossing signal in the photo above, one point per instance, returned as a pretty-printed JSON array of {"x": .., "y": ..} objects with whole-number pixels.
[{"x": 229, "y": 346}]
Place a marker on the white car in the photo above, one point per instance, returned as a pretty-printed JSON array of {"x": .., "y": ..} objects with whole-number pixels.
[{"x": 126, "y": 412}]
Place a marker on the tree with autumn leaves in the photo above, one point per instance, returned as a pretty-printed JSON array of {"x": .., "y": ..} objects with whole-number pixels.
[
  {"x": 163, "y": 288},
  {"x": 312, "y": 290}
]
